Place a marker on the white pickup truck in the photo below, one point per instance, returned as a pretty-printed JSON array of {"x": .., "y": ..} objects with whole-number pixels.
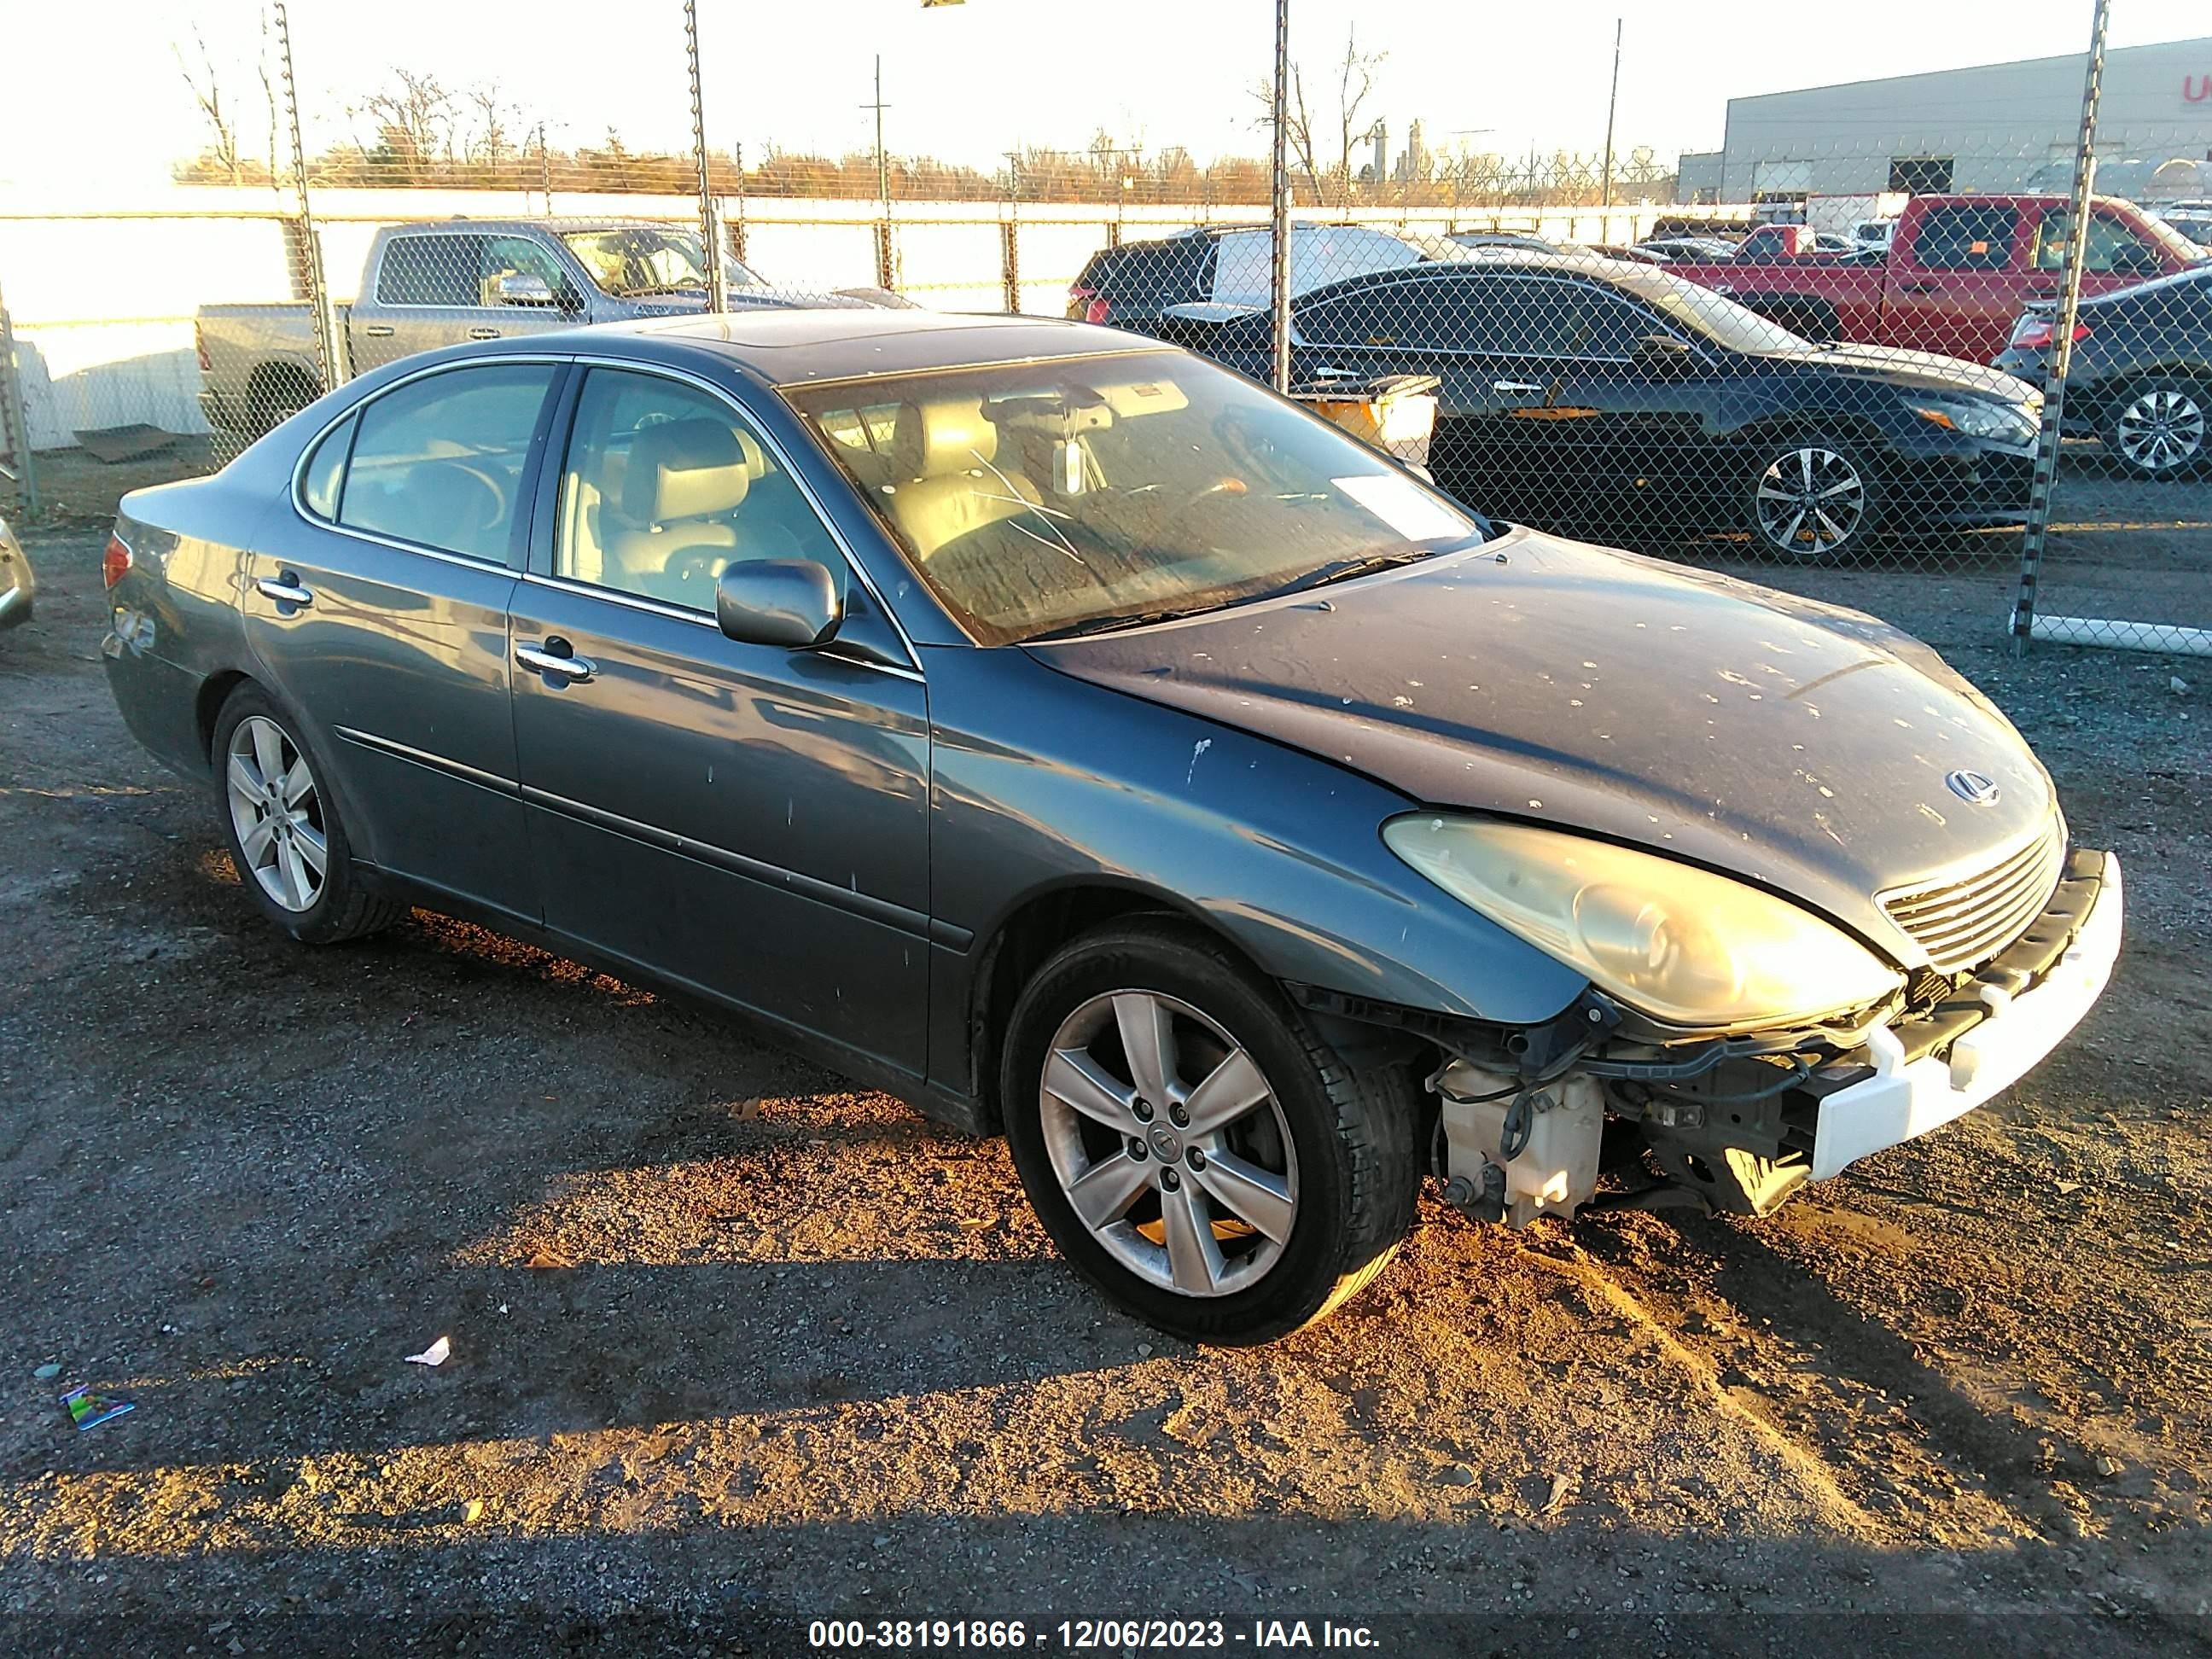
[{"x": 427, "y": 285}]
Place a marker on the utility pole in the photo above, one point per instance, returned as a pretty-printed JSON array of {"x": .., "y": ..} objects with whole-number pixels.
[
  {"x": 884, "y": 272},
  {"x": 1279, "y": 281},
  {"x": 1611, "y": 105},
  {"x": 710, "y": 220}
]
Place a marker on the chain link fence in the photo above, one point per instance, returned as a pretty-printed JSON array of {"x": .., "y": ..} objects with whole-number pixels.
[{"x": 1828, "y": 349}]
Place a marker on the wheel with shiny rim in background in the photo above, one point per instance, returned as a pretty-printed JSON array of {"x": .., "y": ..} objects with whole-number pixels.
[
  {"x": 1810, "y": 500},
  {"x": 2157, "y": 429},
  {"x": 284, "y": 827},
  {"x": 1192, "y": 1145}
]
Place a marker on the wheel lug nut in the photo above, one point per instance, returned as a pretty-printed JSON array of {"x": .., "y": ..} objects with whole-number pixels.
[
  {"x": 1171, "y": 1180},
  {"x": 1138, "y": 1150},
  {"x": 1179, "y": 1117},
  {"x": 1144, "y": 1111},
  {"x": 1197, "y": 1159}
]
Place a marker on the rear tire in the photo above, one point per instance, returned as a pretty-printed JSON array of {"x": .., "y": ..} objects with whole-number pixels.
[
  {"x": 2157, "y": 429},
  {"x": 281, "y": 820},
  {"x": 1230, "y": 1226}
]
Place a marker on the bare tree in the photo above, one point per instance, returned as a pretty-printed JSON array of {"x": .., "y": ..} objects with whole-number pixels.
[
  {"x": 491, "y": 142},
  {"x": 1355, "y": 81},
  {"x": 207, "y": 92},
  {"x": 413, "y": 120}
]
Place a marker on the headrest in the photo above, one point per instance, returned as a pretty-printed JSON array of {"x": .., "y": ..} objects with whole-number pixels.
[
  {"x": 685, "y": 470},
  {"x": 935, "y": 439}
]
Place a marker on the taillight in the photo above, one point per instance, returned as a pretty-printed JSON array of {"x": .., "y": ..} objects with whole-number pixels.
[
  {"x": 1088, "y": 303},
  {"x": 199, "y": 349},
  {"x": 115, "y": 562},
  {"x": 2036, "y": 333}
]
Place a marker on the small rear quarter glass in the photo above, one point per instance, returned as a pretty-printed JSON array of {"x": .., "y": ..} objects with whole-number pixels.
[{"x": 325, "y": 474}]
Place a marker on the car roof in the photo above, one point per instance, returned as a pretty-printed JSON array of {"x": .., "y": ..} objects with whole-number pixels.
[{"x": 793, "y": 347}]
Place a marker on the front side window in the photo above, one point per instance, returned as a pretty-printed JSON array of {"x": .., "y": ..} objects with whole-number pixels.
[
  {"x": 640, "y": 261},
  {"x": 666, "y": 486},
  {"x": 1966, "y": 236},
  {"x": 519, "y": 256},
  {"x": 429, "y": 270},
  {"x": 2109, "y": 246},
  {"x": 440, "y": 461},
  {"x": 1036, "y": 497}
]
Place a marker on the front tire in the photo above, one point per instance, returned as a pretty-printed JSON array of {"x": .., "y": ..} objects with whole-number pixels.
[
  {"x": 282, "y": 824},
  {"x": 1810, "y": 500},
  {"x": 1192, "y": 1145},
  {"x": 2157, "y": 429}
]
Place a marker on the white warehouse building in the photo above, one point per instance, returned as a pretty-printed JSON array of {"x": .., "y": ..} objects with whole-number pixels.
[{"x": 1993, "y": 127}]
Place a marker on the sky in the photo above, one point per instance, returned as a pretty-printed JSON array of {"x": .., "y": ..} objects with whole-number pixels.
[{"x": 966, "y": 82}]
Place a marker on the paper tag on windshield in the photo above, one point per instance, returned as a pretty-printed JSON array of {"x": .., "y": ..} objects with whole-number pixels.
[{"x": 1404, "y": 506}]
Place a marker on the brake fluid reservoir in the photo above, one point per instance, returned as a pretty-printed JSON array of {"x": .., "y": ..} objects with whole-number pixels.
[{"x": 1555, "y": 1170}]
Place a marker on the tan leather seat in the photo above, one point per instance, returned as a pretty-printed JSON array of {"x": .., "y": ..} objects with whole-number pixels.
[
  {"x": 684, "y": 481},
  {"x": 941, "y": 454}
]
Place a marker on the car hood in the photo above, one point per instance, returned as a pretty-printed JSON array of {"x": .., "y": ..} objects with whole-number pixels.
[
  {"x": 1800, "y": 745},
  {"x": 1926, "y": 371}
]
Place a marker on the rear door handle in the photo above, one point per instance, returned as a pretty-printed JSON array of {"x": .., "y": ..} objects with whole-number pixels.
[
  {"x": 378, "y": 331},
  {"x": 1516, "y": 386},
  {"x": 285, "y": 589},
  {"x": 484, "y": 334},
  {"x": 563, "y": 664}
]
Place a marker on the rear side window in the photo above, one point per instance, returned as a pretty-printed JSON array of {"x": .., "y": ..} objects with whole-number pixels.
[
  {"x": 440, "y": 461},
  {"x": 322, "y": 481},
  {"x": 430, "y": 270},
  {"x": 1968, "y": 236}
]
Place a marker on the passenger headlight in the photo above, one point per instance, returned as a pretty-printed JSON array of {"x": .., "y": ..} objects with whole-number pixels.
[
  {"x": 2002, "y": 423},
  {"x": 1684, "y": 946}
]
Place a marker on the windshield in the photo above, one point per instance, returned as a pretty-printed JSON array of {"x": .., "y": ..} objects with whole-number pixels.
[
  {"x": 1034, "y": 498},
  {"x": 632, "y": 260},
  {"x": 1709, "y": 315}
]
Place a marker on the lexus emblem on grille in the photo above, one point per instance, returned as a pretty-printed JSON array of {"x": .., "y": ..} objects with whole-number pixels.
[{"x": 1973, "y": 786}]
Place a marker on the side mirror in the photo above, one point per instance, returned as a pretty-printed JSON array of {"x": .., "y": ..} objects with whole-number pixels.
[
  {"x": 792, "y": 603},
  {"x": 517, "y": 288},
  {"x": 1663, "y": 356}
]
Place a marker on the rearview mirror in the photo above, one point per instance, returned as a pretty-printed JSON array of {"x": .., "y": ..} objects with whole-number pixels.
[
  {"x": 1662, "y": 356},
  {"x": 517, "y": 288},
  {"x": 792, "y": 603}
]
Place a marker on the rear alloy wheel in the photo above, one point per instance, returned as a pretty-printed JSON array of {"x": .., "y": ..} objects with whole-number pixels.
[
  {"x": 285, "y": 835},
  {"x": 2158, "y": 432},
  {"x": 1810, "y": 501},
  {"x": 1192, "y": 1145}
]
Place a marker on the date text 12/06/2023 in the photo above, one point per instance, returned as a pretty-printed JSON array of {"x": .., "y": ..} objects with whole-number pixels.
[{"x": 1083, "y": 1635}]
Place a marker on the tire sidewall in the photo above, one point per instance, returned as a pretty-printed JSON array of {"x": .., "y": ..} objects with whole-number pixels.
[
  {"x": 317, "y": 923},
  {"x": 2197, "y": 391},
  {"x": 1769, "y": 451},
  {"x": 1257, "y": 1017}
]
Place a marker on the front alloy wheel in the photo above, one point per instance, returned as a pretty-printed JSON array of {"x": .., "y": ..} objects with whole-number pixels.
[
  {"x": 2159, "y": 432},
  {"x": 1810, "y": 502}
]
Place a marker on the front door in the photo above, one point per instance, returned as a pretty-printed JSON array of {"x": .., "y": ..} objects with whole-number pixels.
[
  {"x": 377, "y": 606},
  {"x": 746, "y": 819}
]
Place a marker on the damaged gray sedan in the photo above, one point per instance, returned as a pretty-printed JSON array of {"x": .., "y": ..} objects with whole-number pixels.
[{"x": 1071, "y": 737}]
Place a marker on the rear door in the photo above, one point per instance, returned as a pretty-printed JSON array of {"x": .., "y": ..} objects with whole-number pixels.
[
  {"x": 1958, "y": 281},
  {"x": 746, "y": 819},
  {"x": 376, "y": 604}
]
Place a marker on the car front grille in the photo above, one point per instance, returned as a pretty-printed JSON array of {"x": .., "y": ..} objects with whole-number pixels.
[{"x": 1962, "y": 923}]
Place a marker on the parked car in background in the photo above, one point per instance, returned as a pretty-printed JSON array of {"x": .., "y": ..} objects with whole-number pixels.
[
  {"x": 1526, "y": 240},
  {"x": 1170, "y": 780},
  {"x": 1138, "y": 285},
  {"x": 2141, "y": 376},
  {"x": 434, "y": 284},
  {"x": 1873, "y": 235},
  {"x": 1957, "y": 272},
  {"x": 1670, "y": 249},
  {"x": 1617, "y": 399},
  {"x": 1771, "y": 243},
  {"x": 19, "y": 583},
  {"x": 2194, "y": 222}
]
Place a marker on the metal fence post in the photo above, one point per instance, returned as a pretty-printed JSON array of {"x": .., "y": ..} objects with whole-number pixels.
[
  {"x": 710, "y": 226},
  {"x": 1280, "y": 282},
  {"x": 16, "y": 466},
  {"x": 331, "y": 354},
  {"x": 2043, "y": 484}
]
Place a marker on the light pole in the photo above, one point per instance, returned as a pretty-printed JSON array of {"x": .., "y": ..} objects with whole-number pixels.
[{"x": 1611, "y": 105}]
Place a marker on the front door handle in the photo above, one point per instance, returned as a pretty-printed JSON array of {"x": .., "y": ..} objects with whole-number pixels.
[
  {"x": 563, "y": 664},
  {"x": 1922, "y": 287},
  {"x": 1516, "y": 386},
  {"x": 285, "y": 589},
  {"x": 484, "y": 334},
  {"x": 378, "y": 331}
]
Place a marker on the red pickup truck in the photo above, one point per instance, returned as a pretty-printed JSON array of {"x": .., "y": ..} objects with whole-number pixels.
[{"x": 1960, "y": 270}]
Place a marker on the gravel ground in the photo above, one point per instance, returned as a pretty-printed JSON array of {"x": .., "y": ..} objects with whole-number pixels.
[{"x": 815, "y": 1356}]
